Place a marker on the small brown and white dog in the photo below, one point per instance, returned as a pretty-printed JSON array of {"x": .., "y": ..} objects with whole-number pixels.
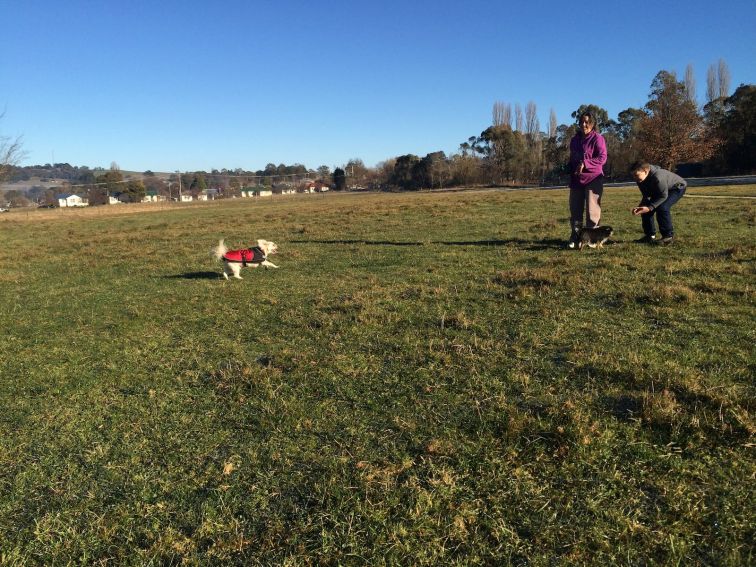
[
  {"x": 594, "y": 237},
  {"x": 235, "y": 260}
]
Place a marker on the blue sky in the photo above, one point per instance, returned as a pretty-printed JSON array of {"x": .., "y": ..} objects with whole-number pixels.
[{"x": 168, "y": 85}]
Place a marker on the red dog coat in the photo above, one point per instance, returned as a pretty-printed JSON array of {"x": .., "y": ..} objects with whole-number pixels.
[{"x": 245, "y": 256}]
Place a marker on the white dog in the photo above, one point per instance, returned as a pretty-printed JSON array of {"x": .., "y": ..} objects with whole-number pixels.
[{"x": 235, "y": 260}]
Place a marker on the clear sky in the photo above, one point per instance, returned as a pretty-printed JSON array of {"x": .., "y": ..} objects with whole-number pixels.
[{"x": 189, "y": 85}]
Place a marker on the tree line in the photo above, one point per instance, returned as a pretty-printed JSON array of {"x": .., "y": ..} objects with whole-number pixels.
[{"x": 671, "y": 130}]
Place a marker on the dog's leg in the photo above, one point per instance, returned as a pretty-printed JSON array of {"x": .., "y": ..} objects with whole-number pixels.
[
  {"x": 236, "y": 268},
  {"x": 268, "y": 264}
]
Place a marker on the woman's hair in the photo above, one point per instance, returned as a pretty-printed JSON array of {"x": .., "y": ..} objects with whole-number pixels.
[
  {"x": 591, "y": 119},
  {"x": 639, "y": 165}
]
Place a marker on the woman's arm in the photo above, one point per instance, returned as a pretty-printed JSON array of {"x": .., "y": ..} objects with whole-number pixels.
[{"x": 597, "y": 159}]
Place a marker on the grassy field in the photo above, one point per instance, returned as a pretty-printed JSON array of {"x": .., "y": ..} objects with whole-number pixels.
[{"x": 428, "y": 379}]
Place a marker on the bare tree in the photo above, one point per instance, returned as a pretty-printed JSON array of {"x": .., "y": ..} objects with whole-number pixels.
[
  {"x": 712, "y": 92},
  {"x": 11, "y": 153},
  {"x": 552, "y": 124},
  {"x": 690, "y": 84},
  {"x": 502, "y": 114},
  {"x": 498, "y": 113},
  {"x": 532, "y": 125},
  {"x": 518, "y": 117},
  {"x": 723, "y": 79}
]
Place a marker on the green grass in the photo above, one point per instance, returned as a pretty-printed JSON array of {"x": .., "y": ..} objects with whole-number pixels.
[{"x": 428, "y": 379}]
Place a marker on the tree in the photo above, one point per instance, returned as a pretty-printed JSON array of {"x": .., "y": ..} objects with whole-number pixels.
[
  {"x": 672, "y": 131},
  {"x": 198, "y": 183},
  {"x": 356, "y": 172},
  {"x": 518, "y": 118},
  {"x": 85, "y": 177},
  {"x": 464, "y": 169},
  {"x": 622, "y": 141},
  {"x": 339, "y": 179},
  {"x": 324, "y": 172},
  {"x": 109, "y": 183},
  {"x": 552, "y": 123},
  {"x": 134, "y": 191},
  {"x": 15, "y": 198},
  {"x": 599, "y": 114},
  {"x": 502, "y": 114},
  {"x": 154, "y": 183},
  {"x": 735, "y": 122},
  {"x": 557, "y": 151},
  {"x": 404, "y": 173},
  {"x": 723, "y": 78},
  {"x": 712, "y": 90},
  {"x": 11, "y": 153},
  {"x": 430, "y": 171},
  {"x": 690, "y": 84},
  {"x": 532, "y": 125},
  {"x": 504, "y": 153}
]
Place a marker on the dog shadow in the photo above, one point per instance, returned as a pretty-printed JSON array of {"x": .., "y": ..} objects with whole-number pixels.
[
  {"x": 195, "y": 276},
  {"x": 357, "y": 241}
]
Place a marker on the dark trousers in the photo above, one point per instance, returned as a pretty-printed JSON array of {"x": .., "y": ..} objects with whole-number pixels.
[{"x": 663, "y": 214}]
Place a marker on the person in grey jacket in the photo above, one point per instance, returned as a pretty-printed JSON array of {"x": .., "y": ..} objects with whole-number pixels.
[{"x": 660, "y": 189}]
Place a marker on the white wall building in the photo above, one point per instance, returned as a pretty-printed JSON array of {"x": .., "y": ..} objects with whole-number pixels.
[{"x": 71, "y": 200}]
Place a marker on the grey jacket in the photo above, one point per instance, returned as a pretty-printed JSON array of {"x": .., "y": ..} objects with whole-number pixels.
[{"x": 655, "y": 187}]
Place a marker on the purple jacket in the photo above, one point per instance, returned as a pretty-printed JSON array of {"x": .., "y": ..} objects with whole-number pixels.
[{"x": 591, "y": 150}]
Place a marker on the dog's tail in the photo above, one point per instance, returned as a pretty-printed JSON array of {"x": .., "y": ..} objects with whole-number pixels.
[{"x": 219, "y": 250}]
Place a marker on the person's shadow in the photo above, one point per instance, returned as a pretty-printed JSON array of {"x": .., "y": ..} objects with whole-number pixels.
[{"x": 545, "y": 244}]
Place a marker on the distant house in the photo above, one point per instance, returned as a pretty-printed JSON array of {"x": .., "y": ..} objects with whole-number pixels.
[
  {"x": 152, "y": 196},
  {"x": 71, "y": 200},
  {"x": 201, "y": 197},
  {"x": 316, "y": 187},
  {"x": 259, "y": 191},
  {"x": 114, "y": 199},
  {"x": 184, "y": 198}
]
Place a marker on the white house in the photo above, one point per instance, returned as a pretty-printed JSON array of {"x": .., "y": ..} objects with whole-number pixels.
[
  {"x": 152, "y": 196},
  {"x": 114, "y": 200},
  {"x": 71, "y": 200},
  {"x": 185, "y": 198}
]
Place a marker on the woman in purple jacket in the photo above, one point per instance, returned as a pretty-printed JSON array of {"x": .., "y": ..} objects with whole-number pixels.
[{"x": 587, "y": 158}]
